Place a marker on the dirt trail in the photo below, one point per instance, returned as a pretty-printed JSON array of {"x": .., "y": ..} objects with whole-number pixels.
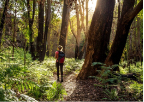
[
  {"x": 82, "y": 90},
  {"x": 69, "y": 82}
]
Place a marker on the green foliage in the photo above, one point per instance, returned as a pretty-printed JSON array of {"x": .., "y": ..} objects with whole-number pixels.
[
  {"x": 2, "y": 94},
  {"x": 112, "y": 94},
  {"x": 133, "y": 68},
  {"x": 105, "y": 72},
  {"x": 71, "y": 64},
  {"x": 32, "y": 79},
  {"x": 137, "y": 89},
  {"x": 56, "y": 92}
]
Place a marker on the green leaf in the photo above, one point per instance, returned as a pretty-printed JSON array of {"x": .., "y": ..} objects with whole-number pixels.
[
  {"x": 97, "y": 63},
  {"x": 22, "y": 87},
  {"x": 19, "y": 88}
]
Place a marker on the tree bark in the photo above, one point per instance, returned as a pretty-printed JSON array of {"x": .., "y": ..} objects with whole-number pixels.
[
  {"x": 48, "y": 43},
  {"x": 127, "y": 16},
  {"x": 31, "y": 20},
  {"x": 3, "y": 19},
  {"x": 98, "y": 38},
  {"x": 47, "y": 22},
  {"x": 14, "y": 33},
  {"x": 79, "y": 28},
  {"x": 40, "y": 30},
  {"x": 64, "y": 27},
  {"x": 138, "y": 40}
]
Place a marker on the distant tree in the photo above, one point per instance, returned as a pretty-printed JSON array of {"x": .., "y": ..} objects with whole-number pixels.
[
  {"x": 42, "y": 33},
  {"x": 40, "y": 30},
  {"x": 31, "y": 20},
  {"x": 3, "y": 19},
  {"x": 47, "y": 22},
  {"x": 65, "y": 19},
  {"x": 79, "y": 7}
]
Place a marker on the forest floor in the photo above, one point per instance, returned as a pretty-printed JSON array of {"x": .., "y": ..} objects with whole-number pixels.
[
  {"x": 82, "y": 90},
  {"x": 85, "y": 90}
]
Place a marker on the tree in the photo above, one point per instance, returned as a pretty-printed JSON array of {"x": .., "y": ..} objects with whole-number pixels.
[
  {"x": 31, "y": 20},
  {"x": 3, "y": 19},
  {"x": 98, "y": 37},
  {"x": 14, "y": 33},
  {"x": 40, "y": 30},
  {"x": 47, "y": 22},
  {"x": 79, "y": 6},
  {"x": 127, "y": 16},
  {"x": 65, "y": 19},
  {"x": 42, "y": 35},
  {"x": 86, "y": 34}
]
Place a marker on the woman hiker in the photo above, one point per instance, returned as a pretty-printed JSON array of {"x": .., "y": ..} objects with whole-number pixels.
[{"x": 60, "y": 56}]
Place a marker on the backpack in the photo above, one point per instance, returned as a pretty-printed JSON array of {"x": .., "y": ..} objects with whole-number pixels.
[{"x": 61, "y": 55}]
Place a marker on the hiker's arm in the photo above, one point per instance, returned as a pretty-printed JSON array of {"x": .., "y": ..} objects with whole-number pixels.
[{"x": 56, "y": 55}]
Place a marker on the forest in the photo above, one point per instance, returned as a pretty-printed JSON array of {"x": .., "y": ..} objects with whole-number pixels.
[{"x": 101, "y": 42}]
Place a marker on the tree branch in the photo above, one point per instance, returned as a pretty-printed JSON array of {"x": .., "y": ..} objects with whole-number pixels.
[
  {"x": 135, "y": 11},
  {"x": 73, "y": 31}
]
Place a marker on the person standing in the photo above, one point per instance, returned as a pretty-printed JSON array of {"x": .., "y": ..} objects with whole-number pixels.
[{"x": 60, "y": 56}]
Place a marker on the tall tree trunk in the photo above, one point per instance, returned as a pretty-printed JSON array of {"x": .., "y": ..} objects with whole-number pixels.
[
  {"x": 98, "y": 38},
  {"x": 3, "y": 19},
  {"x": 85, "y": 29},
  {"x": 47, "y": 22},
  {"x": 86, "y": 32},
  {"x": 64, "y": 27},
  {"x": 127, "y": 16},
  {"x": 40, "y": 30},
  {"x": 48, "y": 43},
  {"x": 78, "y": 36},
  {"x": 31, "y": 20},
  {"x": 14, "y": 33}
]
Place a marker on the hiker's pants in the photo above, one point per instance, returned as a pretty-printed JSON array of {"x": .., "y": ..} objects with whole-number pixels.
[{"x": 61, "y": 69}]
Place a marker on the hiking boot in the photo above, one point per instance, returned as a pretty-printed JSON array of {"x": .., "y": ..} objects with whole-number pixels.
[{"x": 61, "y": 78}]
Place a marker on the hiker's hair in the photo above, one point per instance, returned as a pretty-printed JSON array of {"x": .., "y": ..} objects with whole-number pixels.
[{"x": 60, "y": 47}]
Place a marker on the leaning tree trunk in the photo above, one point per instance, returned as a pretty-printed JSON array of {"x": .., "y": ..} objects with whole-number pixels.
[
  {"x": 128, "y": 14},
  {"x": 3, "y": 20},
  {"x": 98, "y": 38},
  {"x": 40, "y": 31},
  {"x": 64, "y": 27}
]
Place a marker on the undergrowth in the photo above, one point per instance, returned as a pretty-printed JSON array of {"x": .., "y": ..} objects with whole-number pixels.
[
  {"x": 117, "y": 87},
  {"x": 30, "y": 81}
]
